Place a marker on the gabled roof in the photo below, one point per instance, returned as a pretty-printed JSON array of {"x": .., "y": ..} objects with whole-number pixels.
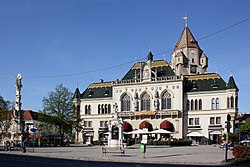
[
  {"x": 27, "y": 114},
  {"x": 98, "y": 90},
  {"x": 186, "y": 40},
  {"x": 231, "y": 84},
  {"x": 161, "y": 66},
  {"x": 204, "y": 82}
]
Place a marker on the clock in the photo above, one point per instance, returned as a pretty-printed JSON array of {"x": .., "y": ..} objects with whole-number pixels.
[{"x": 192, "y": 69}]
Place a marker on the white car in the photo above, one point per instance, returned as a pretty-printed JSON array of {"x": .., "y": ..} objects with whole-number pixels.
[{"x": 245, "y": 142}]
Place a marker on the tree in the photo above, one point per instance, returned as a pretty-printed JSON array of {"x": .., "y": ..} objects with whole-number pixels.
[
  {"x": 58, "y": 108},
  {"x": 245, "y": 127},
  {"x": 5, "y": 117},
  {"x": 5, "y": 104}
]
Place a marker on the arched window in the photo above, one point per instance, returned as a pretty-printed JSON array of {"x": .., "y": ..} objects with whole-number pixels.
[
  {"x": 109, "y": 109},
  {"x": 200, "y": 104},
  {"x": 236, "y": 101},
  {"x": 125, "y": 103},
  {"x": 106, "y": 109},
  {"x": 228, "y": 102},
  {"x": 102, "y": 108},
  {"x": 99, "y": 109},
  {"x": 188, "y": 105},
  {"x": 217, "y": 103},
  {"x": 192, "y": 105},
  {"x": 86, "y": 109},
  {"x": 145, "y": 102},
  {"x": 232, "y": 102},
  {"x": 213, "y": 104},
  {"x": 78, "y": 111},
  {"x": 195, "y": 104},
  {"x": 166, "y": 101},
  {"x": 89, "y": 109}
]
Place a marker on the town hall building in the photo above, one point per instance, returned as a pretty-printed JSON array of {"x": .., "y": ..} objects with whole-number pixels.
[{"x": 180, "y": 96}]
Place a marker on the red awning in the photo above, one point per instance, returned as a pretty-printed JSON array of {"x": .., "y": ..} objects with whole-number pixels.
[
  {"x": 146, "y": 124},
  {"x": 166, "y": 125},
  {"x": 127, "y": 127}
]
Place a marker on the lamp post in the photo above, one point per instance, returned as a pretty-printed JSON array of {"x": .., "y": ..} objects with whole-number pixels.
[{"x": 228, "y": 130}]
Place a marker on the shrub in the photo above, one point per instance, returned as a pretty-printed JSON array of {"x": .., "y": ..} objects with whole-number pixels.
[
  {"x": 97, "y": 142},
  {"x": 241, "y": 152}
]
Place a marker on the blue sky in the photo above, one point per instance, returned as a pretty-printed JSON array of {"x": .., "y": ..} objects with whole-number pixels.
[{"x": 43, "y": 38}]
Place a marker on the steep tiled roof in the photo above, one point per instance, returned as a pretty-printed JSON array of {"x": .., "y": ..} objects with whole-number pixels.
[
  {"x": 231, "y": 84},
  {"x": 98, "y": 90},
  {"x": 163, "y": 69},
  {"x": 27, "y": 114},
  {"x": 204, "y": 82},
  {"x": 186, "y": 40}
]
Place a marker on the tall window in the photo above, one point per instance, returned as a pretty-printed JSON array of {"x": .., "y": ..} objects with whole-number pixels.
[
  {"x": 125, "y": 103},
  {"x": 99, "y": 109},
  {"x": 192, "y": 104},
  {"x": 213, "y": 103},
  {"x": 166, "y": 101},
  {"x": 228, "y": 102},
  {"x": 217, "y": 103},
  {"x": 109, "y": 108},
  {"x": 196, "y": 104},
  {"x": 188, "y": 105},
  {"x": 236, "y": 101},
  {"x": 218, "y": 120},
  {"x": 232, "y": 102},
  {"x": 212, "y": 121},
  {"x": 145, "y": 102},
  {"x": 87, "y": 109},
  {"x": 200, "y": 104}
]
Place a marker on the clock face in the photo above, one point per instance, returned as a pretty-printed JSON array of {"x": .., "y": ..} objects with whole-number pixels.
[{"x": 192, "y": 69}]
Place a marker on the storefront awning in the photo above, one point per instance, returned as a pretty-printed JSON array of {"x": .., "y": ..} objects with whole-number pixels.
[
  {"x": 215, "y": 133},
  {"x": 195, "y": 134}
]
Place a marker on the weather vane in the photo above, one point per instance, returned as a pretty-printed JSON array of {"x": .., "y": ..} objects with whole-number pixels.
[{"x": 186, "y": 20}]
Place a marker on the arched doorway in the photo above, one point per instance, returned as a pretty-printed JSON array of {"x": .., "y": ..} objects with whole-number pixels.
[
  {"x": 146, "y": 124},
  {"x": 166, "y": 125}
]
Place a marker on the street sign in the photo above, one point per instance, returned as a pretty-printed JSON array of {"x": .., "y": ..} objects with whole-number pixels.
[{"x": 33, "y": 130}]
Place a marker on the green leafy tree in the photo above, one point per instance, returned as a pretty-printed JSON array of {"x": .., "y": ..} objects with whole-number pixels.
[
  {"x": 245, "y": 127},
  {"x": 5, "y": 104},
  {"x": 58, "y": 109}
]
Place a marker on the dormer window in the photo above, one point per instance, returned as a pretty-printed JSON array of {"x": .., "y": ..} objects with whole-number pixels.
[
  {"x": 91, "y": 93},
  {"x": 106, "y": 93}
]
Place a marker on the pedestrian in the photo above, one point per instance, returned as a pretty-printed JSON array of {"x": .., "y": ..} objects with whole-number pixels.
[
  {"x": 24, "y": 145},
  {"x": 7, "y": 146}
]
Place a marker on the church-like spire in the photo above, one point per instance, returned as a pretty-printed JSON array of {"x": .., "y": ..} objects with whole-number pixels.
[
  {"x": 231, "y": 83},
  {"x": 77, "y": 94},
  {"x": 186, "y": 40}
]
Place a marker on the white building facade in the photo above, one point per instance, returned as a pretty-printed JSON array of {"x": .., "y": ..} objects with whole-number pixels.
[{"x": 179, "y": 96}]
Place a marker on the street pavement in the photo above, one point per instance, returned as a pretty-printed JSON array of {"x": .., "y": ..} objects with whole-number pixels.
[{"x": 188, "y": 155}]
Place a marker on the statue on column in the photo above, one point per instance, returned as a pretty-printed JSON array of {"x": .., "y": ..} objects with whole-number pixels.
[{"x": 18, "y": 86}]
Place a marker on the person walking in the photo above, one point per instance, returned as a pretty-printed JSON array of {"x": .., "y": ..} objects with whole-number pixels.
[{"x": 24, "y": 145}]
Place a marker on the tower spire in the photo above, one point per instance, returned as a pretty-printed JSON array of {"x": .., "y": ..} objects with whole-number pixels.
[{"x": 186, "y": 20}]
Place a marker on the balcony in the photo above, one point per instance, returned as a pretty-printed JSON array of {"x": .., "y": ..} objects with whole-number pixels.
[{"x": 171, "y": 113}]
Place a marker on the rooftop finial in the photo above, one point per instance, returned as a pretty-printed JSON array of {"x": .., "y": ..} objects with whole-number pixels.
[
  {"x": 186, "y": 20},
  {"x": 231, "y": 73},
  {"x": 149, "y": 46}
]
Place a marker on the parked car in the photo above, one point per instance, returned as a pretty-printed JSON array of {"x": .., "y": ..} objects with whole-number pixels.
[{"x": 245, "y": 143}]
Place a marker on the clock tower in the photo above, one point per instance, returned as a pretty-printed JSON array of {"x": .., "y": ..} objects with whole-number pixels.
[{"x": 188, "y": 58}]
